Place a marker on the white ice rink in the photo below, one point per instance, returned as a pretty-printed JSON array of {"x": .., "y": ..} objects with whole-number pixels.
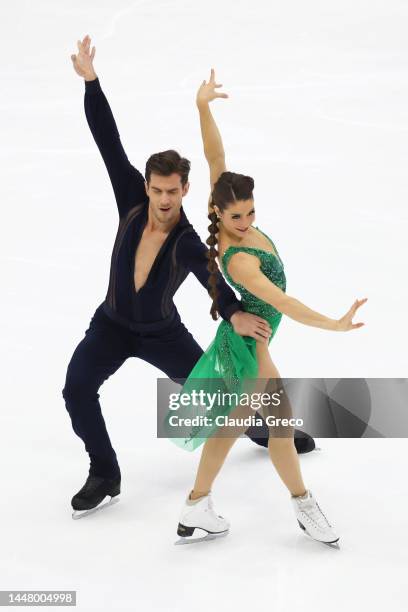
[{"x": 318, "y": 115}]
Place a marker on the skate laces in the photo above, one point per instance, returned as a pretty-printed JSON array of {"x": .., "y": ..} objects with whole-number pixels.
[{"x": 313, "y": 510}]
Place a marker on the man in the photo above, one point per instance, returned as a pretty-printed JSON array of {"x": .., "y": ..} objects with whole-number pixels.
[{"x": 155, "y": 249}]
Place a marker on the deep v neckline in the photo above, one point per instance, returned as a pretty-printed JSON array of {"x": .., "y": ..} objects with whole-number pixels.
[{"x": 155, "y": 261}]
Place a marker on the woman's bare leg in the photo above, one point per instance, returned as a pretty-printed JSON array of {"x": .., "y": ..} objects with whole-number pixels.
[
  {"x": 282, "y": 451},
  {"x": 214, "y": 453}
]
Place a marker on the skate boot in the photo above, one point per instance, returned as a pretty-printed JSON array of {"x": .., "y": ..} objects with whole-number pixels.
[
  {"x": 200, "y": 514},
  {"x": 90, "y": 498},
  {"x": 312, "y": 520},
  {"x": 260, "y": 435}
]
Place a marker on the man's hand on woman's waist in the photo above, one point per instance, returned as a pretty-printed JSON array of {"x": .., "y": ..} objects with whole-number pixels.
[{"x": 247, "y": 324}]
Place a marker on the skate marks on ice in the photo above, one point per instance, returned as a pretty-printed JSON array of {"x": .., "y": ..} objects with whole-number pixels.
[
  {"x": 77, "y": 514},
  {"x": 187, "y": 537}
]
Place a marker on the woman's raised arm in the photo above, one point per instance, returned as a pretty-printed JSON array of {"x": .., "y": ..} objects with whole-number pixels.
[{"x": 212, "y": 141}]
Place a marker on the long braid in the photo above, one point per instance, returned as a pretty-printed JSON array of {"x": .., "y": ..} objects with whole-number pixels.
[
  {"x": 212, "y": 265},
  {"x": 229, "y": 188}
]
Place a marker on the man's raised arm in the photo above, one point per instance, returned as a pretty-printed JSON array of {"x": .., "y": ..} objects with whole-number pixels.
[{"x": 127, "y": 182}]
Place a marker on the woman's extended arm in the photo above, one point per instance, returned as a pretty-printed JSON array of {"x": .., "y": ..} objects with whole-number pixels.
[
  {"x": 245, "y": 270},
  {"x": 212, "y": 141}
]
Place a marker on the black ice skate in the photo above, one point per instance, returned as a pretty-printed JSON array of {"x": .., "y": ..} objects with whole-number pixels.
[{"x": 92, "y": 496}]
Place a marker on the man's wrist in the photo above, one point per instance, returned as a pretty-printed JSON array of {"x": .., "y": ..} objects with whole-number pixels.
[
  {"x": 234, "y": 316},
  {"x": 91, "y": 76},
  {"x": 92, "y": 86}
]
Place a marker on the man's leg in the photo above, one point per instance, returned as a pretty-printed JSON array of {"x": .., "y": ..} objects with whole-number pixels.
[
  {"x": 175, "y": 352},
  {"x": 100, "y": 353}
]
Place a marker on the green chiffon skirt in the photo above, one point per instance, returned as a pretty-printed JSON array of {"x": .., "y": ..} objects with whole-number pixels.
[{"x": 226, "y": 367}]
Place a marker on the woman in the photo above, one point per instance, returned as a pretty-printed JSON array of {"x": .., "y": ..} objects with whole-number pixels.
[{"x": 250, "y": 262}]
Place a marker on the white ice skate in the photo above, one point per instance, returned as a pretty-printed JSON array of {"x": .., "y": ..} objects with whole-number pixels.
[
  {"x": 312, "y": 520},
  {"x": 200, "y": 515}
]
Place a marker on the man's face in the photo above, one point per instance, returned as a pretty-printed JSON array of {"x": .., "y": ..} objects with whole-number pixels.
[{"x": 165, "y": 196}]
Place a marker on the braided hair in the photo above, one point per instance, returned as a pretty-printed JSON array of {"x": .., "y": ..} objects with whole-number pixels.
[{"x": 229, "y": 188}]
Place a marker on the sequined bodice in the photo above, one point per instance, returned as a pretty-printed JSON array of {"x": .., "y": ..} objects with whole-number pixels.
[{"x": 271, "y": 266}]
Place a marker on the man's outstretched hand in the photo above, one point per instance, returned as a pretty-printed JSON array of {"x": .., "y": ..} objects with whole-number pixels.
[
  {"x": 248, "y": 324},
  {"x": 83, "y": 60}
]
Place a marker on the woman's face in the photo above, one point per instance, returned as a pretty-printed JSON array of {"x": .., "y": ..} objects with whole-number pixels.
[{"x": 237, "y": 218}]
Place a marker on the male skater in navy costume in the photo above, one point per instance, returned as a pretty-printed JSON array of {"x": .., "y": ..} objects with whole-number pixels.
[{"x": 155, "y": 249}]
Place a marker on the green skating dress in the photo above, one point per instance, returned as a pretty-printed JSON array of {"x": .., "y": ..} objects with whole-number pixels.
[{"x": 230, "y": 358}]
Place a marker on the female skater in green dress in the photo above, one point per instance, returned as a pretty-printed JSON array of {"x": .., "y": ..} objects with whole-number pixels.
[{"x": 250, "y": 262}]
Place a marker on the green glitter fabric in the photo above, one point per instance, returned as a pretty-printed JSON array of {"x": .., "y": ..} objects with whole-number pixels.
[{"x": 230, "y": 360}]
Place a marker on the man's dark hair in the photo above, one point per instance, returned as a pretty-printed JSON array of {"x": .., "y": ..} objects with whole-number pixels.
[{"x": 166, "y": 163}]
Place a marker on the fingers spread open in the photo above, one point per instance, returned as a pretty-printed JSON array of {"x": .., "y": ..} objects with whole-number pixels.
[
  {"x": 260, "y": 320},
  {"x": 262, "y": 333}
]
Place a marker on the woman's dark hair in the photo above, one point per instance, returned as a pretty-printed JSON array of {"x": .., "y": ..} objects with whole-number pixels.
[
  {"x": 229, "y": 188},
  {"x": 166, "y": 163}
]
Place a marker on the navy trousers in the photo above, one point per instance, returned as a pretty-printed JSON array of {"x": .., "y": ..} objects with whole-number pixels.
[{"x": 102, "y": 351}]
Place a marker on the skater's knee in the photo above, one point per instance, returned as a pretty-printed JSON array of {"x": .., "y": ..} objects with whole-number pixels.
[
  {"x": 78, "y": 388},
  {"x": 218, "y": 447}
]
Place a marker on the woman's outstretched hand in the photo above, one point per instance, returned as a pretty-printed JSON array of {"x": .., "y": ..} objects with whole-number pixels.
[
  {"x": 83, "y": 61},
  {"x": 207, "y": 93},
  {"x": 346, "y": 322}
]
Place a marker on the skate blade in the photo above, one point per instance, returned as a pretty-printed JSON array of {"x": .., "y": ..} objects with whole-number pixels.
[
  {"x": 78, "y": 514},
  {"x": 207, "y": 537},
  {"x": 334, "y": 544}
]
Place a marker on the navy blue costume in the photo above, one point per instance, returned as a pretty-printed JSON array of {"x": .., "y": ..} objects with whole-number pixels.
[{"x": 130, "y": 323}]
